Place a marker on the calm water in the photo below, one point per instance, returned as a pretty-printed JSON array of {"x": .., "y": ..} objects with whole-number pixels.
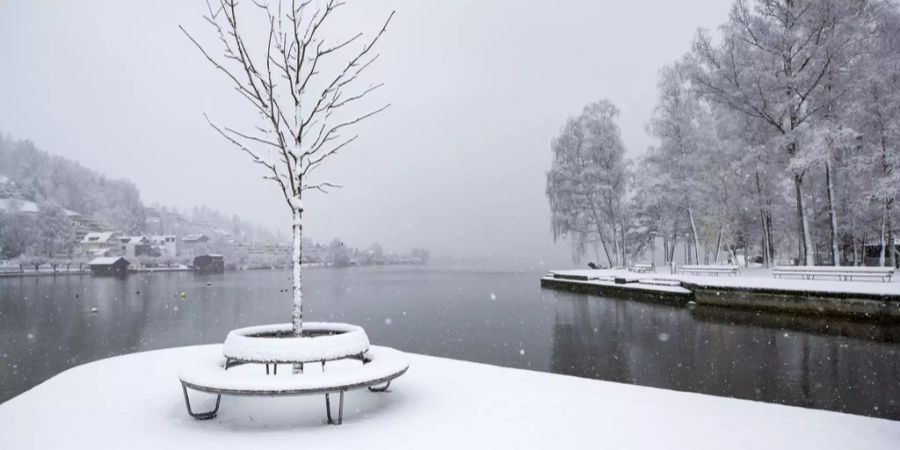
[{"x": 504, "y": 318}]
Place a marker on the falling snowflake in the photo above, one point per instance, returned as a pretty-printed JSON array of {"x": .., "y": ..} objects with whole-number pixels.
[
  {"x": 388, "y": 321},
  {"x": 663, "y": 337},
  {"x": 493, "y": 296}
]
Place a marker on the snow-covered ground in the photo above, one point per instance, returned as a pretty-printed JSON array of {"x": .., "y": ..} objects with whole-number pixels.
[
  {"x": 753, "y": 279},
  {"x": 135, "y": 402}
]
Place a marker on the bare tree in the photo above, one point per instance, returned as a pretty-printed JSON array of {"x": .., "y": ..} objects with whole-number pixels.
[{"x": 304, "y": 89}]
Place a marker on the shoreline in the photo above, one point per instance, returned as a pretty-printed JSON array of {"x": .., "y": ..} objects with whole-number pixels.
[{"x": 858, "y": 300}]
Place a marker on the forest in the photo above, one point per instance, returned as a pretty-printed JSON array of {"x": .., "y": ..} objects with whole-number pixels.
[{"x": 777, "y": 139}]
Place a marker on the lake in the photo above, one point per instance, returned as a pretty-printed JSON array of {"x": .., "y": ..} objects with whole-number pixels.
[{"x": 497, "y": 317}]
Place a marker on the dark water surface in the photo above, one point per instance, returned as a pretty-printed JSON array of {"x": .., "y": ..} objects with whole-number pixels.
[{"x": 503, "y": 318}]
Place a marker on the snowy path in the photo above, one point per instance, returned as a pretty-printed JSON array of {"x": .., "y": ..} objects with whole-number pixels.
[{"x": 135, "y": 402}]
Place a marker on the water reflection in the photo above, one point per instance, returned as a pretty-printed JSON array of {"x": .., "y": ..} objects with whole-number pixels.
[
  {"x": 502, "y": 318},
  {"x": 668, "y": 348}
]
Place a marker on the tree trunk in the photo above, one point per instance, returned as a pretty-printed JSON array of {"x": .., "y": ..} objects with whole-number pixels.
[
  {"x": 674, "y": 240},
  {"x": 884, "y": 210},
  {"x": 718, "y": 245},
  {"x": 806, "y": 249},
  {"x": 296, "y": 259},
  {"x": 615, "y": 243},
  {"x": 665, "y": 248},
  {"x": 892, "y": 254},
  {"x": 624, "y": 255},
  {"x": 829, "y": 180},
  {"x": 694, "y": 233}
]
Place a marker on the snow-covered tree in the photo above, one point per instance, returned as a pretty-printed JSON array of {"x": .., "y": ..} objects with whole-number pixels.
[
  {"x": 775, "y": 64},
  {"x": 304, "y": 89},
  {"x": 877, "y": 113},
  {"x": 587, "y": 181}
]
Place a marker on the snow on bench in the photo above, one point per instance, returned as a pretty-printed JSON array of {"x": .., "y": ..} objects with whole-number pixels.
[
  {"x": 708, "y": 270},
  {"x": 380, "y": 366},
  {"x": 839, "y": 272},
  {"x": 641, "y": 267}
]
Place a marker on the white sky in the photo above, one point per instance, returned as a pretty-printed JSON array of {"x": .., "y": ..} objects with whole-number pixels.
[{"x": 478, "y": 90}]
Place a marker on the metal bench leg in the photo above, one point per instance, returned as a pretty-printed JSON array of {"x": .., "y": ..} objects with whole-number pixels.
[
  {"x": 202, "y": 415},
  {"x": 340, "y": 410},
  {"x": 381, "y": 389}
]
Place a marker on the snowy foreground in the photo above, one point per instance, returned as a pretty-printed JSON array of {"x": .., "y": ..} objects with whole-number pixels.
[{"x": 135, "y": 402}]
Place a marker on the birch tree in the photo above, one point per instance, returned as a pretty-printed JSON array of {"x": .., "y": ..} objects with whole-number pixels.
[
  {"x": 587, "y": 181},
  {"x": 677, "y": 122},
  {"x": 772, "y": 65},
  {"x": 878, "y": 113},
  {"x": 305, "y": 89}
]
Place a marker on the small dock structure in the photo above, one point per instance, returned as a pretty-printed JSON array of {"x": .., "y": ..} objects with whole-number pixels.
[
  {"x": 109, "y": 266},
  {"x": 212, "y": 263}
]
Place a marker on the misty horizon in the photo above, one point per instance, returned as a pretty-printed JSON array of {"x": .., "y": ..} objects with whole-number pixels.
[{"x": 460, "y": 86}]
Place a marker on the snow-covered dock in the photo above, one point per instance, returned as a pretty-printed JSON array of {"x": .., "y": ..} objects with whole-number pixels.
[
  {"x": 134, "y": 402},
  {"x": 853, "y": 298}
]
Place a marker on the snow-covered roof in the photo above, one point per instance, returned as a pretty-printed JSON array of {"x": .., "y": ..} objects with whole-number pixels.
[
  {"x": 26, "y": 206},
  {"x": 134, "y": 239},
  {"x": 106, "y": 260},
  {"x": 18, "y": 204},
  {"x": 195, "y": 238}
]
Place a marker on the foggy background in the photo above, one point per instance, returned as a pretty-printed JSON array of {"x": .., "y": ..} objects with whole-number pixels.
[{"x": 457, "y": 163}]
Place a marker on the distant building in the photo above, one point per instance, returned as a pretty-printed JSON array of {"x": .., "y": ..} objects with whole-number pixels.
[
  {"x": 164, "y": 245},
  {"x": 209, "y": 264},
  {"x": 134, "y": 246},
  {"x": 109, "y": 266},
  {"x": 194, "y": 244},
  {"x": 101, "y": 243}
]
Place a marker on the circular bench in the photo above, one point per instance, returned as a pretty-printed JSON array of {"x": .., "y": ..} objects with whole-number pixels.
[{"x": 379, "y": 366}]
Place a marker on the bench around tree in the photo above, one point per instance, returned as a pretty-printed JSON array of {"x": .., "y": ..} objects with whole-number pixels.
[{"x": 273, "y": 345}]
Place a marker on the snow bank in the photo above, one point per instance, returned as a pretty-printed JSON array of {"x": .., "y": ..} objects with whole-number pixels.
[{"x": 135, "y": 402}]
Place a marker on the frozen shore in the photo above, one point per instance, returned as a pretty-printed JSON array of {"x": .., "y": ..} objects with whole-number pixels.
[{"x": 135, "y": 402}]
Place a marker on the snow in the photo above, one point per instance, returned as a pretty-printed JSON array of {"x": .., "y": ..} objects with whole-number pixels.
[
  {"x": 135, "y": 402},
  {"x": 760, "y": 279},
  {"x": 641, "y": 285},
  {"x": 240, "y": 344},
  {"x": 209, "y": 371}
]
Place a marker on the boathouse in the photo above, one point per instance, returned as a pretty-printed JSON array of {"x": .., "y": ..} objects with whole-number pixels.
[
  {"x": 209, "y": 264},
  {"x": 111, "y": 265}
]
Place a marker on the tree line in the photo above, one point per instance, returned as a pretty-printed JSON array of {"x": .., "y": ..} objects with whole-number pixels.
[{"x": 777, "y": 137}]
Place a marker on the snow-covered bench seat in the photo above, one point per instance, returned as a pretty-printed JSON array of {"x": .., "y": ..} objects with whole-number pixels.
[
  {"x": 839, "y": 272},
  {"x": 641, "y": 267},
  {"x": 379, "y": 366},
  {"x": 708, "y": 270}
]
